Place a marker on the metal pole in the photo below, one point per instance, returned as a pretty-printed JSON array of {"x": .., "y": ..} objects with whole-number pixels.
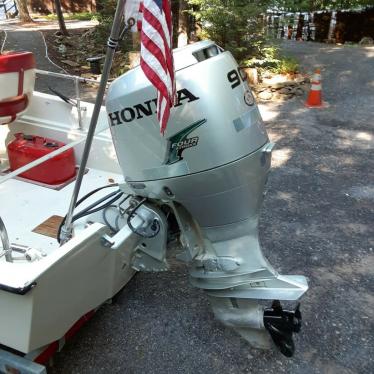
[
  {"x": 67, "y": 229},
  {"x": 5, "y": 241},
  {"x": 78, "y": 100},
  {"x": 65, "y": 76}
]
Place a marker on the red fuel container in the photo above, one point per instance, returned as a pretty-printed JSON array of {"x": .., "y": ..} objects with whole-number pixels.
[{"x": 27, "y": 148}]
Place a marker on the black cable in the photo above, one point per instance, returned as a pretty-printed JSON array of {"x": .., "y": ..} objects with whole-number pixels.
[
  {"x": 117, "y": 194},
  {"x": 85, "y": 212},
  {"x": 101, "y": 207},
  {"x": 80, "y": 201},
  {"x": 85, "y": 197}
]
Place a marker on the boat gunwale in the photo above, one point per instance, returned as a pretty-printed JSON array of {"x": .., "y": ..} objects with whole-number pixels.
[{"x": 18, "y": 290}]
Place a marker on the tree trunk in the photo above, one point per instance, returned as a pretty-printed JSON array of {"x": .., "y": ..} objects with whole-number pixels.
[
  {"x": 24, "y": 14},
  {"x": 183, "y": 24},
  {"x": 175, "y": 13},
  {"x": 60, "y": 18}
]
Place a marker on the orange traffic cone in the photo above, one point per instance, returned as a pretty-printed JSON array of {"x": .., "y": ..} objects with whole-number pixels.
[{"x": 314, "y": 99}]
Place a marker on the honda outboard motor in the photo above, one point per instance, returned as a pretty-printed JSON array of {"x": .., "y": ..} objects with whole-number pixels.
[{"x": 210, "y": 168}]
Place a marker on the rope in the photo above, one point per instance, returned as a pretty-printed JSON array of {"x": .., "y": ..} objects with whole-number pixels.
[{"x": 47, "y": 57}]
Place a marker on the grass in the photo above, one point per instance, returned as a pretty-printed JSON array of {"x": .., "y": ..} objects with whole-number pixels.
[
  {"x": 83, "y": 16},
  {"x": 271, "y": 59},
  {"x": 286, "y": 65}
]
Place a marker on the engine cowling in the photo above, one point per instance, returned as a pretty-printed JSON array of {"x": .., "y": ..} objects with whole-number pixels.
[{"x": 215, "y": 119}]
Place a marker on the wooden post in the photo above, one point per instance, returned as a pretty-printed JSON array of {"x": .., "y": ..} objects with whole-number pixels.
[{"x": 182, "y": 24}]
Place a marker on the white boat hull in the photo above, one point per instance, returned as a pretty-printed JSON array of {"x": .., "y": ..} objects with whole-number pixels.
[{"x": 81, "y": 279}]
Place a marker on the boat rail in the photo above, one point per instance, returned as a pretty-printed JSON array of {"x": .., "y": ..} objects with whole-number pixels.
[
  {"x": 77, "y": 81},
  {"x": 7, "y": 251}
]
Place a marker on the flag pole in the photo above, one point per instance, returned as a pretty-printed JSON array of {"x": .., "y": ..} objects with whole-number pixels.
[{"x": 67, "y": 229}]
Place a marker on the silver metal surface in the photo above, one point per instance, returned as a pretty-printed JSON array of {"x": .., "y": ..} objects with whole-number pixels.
[
  {"x": 19, "y": 248},
  {"x": 78, "y": 101},
  {"x": 191, "y": 237},
  {"x": 150, "y": 253},
  {"x": 236, "y": 313},
  {"x": 7, "y": 249},
  {"x": 245, "y": 316},
  {"x": 268, "y": 148},
  {"x": 12, "y": 363},
  {"x": 205, "y": 94},
  {"x": 219, "y": 196},
  {"x": 66, "y": 76}
]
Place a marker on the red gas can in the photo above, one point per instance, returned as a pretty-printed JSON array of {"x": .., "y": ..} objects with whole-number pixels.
[{"x": 27, "y": 148}]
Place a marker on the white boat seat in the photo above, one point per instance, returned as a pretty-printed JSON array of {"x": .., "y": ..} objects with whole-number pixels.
[{"x": 17, "y": 81}]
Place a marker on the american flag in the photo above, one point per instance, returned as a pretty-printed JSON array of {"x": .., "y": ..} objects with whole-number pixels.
[{"x": 156, "y": 58}]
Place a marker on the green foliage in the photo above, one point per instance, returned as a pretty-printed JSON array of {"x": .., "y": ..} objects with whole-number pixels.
[
  {"x": 105, "y": 15},
  {"x": 102, "y": 30},
  {"x": 236, "y": 25},
  {"x": 312, "y": 5},
  {"x": 83, "y": 16},
  {"x": 286, "y": 65},
  {"x": 106, "y": 7},
  {"x": 272, "y": 60}
]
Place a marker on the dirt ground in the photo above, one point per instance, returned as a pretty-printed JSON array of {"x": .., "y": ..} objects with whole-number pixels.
[
  {"x": 317, "y": 220},
  {"x": 38, "y": 38}
]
